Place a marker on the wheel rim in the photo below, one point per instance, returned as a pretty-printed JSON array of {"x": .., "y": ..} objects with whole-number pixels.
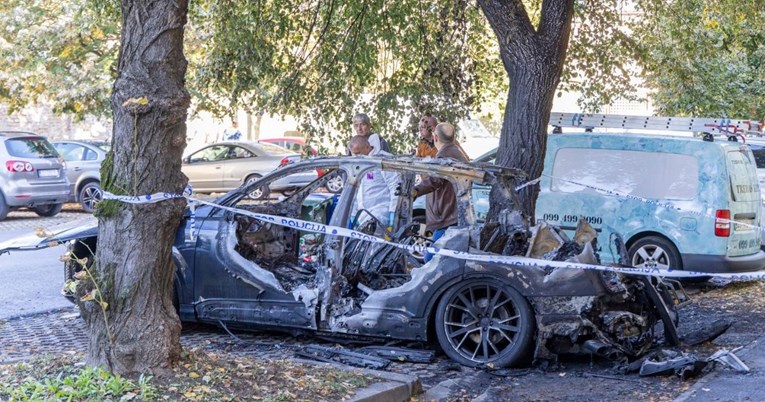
[
  {"x": 651, "y": 256},
  {"x": 482, "y": 322},
  {"x": 335, "y": 184},
  {"x": 91, "y": 196},
  {"x": 257, "y": 193},
  {"x": 421, "y": 242}
]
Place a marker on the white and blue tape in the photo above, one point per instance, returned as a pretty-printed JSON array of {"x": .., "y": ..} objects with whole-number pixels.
[{"x": 309, "y": 226}]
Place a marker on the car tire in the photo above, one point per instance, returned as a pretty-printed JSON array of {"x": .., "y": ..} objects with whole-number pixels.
[
  {"x": 4, "y": 209},
  {"x": 259, "y": 193},
  {"x": 48, "y": 210},
  {"x": 90, "y": 195},
  {"x": 471, "y": 334},
  {"x": 654, "y": 252},
  {"x": 335, "y": 184}
]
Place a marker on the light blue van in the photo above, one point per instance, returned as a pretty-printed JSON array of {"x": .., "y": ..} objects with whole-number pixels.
[{"x": 662, "y": 194}]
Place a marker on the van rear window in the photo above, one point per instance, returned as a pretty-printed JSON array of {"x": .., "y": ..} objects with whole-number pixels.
[
  {"x": 651, "y": 175},
  {"x": 743, "y": 175},
  {"x": 30, "y": 147}
]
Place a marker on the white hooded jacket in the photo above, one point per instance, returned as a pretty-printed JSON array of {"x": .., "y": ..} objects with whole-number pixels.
[{"x": 376, "y": 194}]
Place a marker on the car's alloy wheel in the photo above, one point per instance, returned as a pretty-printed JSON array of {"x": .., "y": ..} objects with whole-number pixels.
[
  {"x": 483, "y": 321},
  {"x": 90, "y": 195},
  {"x": 335, "y": 184},
  {"x": 258, "y": 193},
  {"x": 654, "y": 252}
]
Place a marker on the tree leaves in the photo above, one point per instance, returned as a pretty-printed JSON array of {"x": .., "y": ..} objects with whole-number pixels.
[{"x": 704, "y": 58}]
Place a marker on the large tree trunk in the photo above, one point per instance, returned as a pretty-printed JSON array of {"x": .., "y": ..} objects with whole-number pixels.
[
  {"x": 533, "y": 59},
  {"x": 138, "y": 329}
]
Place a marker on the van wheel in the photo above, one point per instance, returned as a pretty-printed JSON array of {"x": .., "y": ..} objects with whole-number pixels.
[
  {"x": 484, "y": 321},
  {"x": 48, "y": 210},
  {"x": 655, "y": 252}
]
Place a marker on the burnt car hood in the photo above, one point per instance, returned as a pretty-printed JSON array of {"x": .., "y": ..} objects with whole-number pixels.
[{"x": 78, "y": 229}]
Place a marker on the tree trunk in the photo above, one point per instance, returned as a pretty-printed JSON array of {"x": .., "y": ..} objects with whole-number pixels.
[
  {"x": 523, "y": 141},
  {"x": 256, "y": 125},
  {"x": 533, "y": 58},
  {"x": 138, "y": 330}
]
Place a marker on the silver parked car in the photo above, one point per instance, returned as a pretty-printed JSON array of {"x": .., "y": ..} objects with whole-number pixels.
[
  {"x": 34, "y": 176},
  {"x": 227, "y": 165},
  {"x": 83, "y": 160}
]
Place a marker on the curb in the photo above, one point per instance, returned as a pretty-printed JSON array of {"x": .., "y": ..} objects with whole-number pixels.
[
  {"x": 396, "y": 387},
  {"x": 53, "y": 310}
]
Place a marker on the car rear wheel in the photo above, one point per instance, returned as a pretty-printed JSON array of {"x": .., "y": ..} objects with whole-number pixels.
[
  {"x": 3, "y": 208},
  {"x": 258, "y": 193},
  {"x": 483, "y": 321},
  {"x": 335, "y": 184},
  {"x": 655, "y": 252},
  {"x": 90, "y": 195},
  {"x": 48, "y": 210}
]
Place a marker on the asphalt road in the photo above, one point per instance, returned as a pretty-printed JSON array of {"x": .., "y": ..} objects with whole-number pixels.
[{"x": 31, "y": 281}]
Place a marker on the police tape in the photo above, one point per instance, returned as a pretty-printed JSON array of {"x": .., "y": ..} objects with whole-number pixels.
[
  {"x": 148, "y": 198},
  {"x": 667, "y": 205},
  {"x": 321, "y": 228}
]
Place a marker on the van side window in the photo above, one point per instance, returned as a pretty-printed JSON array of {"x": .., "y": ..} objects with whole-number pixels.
[{"x": 650, "y": 175}]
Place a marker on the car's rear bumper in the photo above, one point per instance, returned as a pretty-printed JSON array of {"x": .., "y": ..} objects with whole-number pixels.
[
  {"x": 723, "y": 263},
  {"x": 29, "y": 196}
]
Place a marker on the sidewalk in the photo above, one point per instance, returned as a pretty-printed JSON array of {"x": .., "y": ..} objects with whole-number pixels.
[{"x": 724, "y": 384}]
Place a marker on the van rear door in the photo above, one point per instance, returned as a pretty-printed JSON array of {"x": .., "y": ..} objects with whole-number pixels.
[{"x": 745, "y": 201}]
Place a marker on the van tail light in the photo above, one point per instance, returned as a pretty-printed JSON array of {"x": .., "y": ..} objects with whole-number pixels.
[
  {"x": 284, "y": 162},
  {"x": 19, "y": 166},
  {"x": 722, "y": 223}
]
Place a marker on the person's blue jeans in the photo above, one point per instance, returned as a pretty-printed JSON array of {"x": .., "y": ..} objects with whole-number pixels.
[{"x": 436, "y": 235}]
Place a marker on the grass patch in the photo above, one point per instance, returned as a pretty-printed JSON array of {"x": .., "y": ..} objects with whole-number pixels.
[{"x": 201, "y": 376}]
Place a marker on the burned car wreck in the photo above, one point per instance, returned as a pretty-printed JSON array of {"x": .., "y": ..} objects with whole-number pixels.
[{"x": 301, "y": 276}]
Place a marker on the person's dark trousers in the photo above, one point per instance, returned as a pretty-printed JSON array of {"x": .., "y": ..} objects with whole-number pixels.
[{"x": 436, "y": 235}]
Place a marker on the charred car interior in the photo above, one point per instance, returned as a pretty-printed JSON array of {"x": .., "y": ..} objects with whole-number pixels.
[{"x": 242, "y": 272}]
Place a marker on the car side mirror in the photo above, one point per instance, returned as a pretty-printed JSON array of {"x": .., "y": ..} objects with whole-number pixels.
[{"x": 187, "y": 159}]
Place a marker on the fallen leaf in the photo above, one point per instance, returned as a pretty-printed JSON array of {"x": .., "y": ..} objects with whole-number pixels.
[{"x": 89, "y": 296}]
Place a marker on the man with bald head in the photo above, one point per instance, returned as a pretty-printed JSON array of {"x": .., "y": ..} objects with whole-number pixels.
[
  {"x": 376, "y": 190},
  {"x": 441, "y": 200}
]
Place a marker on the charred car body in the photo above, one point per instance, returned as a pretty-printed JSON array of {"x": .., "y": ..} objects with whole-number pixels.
[{"x": 242, "y": 272}]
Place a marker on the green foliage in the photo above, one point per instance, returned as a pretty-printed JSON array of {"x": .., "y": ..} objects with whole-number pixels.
[
  {"x": 50, "y": 381},
  {"x": 704, "y": 58},
  {"x": 62, "y": 51},
  {"x": 600, "y": 60},
  {"x": 325, "y": 61}
]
